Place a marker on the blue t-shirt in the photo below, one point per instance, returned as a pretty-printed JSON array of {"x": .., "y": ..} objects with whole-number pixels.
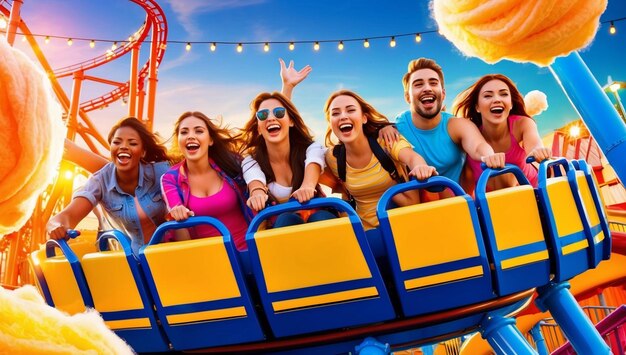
[
  {"x": 434, "y": 145},
  {"x": 102, "y": 187}
]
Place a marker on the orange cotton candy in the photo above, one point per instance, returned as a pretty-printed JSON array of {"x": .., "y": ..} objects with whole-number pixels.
[
  {"x": 31, "y": 136},
  {"x": 534, "y": 31}
]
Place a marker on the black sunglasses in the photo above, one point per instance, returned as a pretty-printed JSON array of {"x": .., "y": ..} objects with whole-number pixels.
[{"x": 279, "y": 112}]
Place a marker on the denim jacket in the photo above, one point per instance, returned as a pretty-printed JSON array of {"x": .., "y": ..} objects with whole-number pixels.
[{"x": 102, "y": 187}]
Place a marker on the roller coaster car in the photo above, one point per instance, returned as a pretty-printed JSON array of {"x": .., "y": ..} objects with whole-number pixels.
[{"x": 443, "y": 268}]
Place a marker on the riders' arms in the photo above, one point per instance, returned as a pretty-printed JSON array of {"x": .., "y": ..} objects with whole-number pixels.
[
  {"x": 533, "y": 145},
  {"x": 71, "y": 215},
  {"x": 84, "y": 158},
  {"x": 465, "y": 133},
  {"x": 291, "y": 77}
]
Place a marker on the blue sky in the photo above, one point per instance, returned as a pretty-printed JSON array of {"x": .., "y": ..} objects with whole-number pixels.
[{"x": 224, "y": 82}]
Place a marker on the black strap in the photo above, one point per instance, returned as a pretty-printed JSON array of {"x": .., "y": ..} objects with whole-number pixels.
[
  {"x": 384, "y": 159},
  {"x": 339, "y": 152}
]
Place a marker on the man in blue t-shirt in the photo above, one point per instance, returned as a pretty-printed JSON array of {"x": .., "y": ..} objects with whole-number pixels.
[{"x": 440, "y": 138}]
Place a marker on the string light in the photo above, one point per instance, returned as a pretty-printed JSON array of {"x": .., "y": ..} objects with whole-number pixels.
[
  {"x": 23, "y": 38},
  {"x": 418, "y": 36}
]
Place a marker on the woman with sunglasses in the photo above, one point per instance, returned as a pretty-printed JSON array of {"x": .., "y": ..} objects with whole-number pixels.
[
  {"x": 127, "y": 188},
  {"x": 355, "y": 123},
  {"x": 495, "y": 105},
  {"x": 283, "y": 160},
  {"x": 208, "y": 182}
]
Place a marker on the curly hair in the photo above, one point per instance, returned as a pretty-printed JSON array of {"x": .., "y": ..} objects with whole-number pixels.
[
  {"x": 299, "y": 139},
  {"x": 224, "y": 150},
  {"x": 155, "y": 150},
  {"x": 465, "y": 103},
  {"x": 375, "y": 119}
]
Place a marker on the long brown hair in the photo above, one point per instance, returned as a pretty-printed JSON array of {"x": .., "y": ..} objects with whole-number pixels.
[
  {"x": 466, "y": 101},
  {"x": 375, "y": 119},
  {"x": 299, "y": 139},
  {"x": 224, "y": 150},
  {"x": 155, "y": 150}
]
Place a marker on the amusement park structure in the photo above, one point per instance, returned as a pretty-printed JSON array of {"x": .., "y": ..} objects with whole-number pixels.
[
  {"x": 139, "y": 91},
  {"x": 510, "y": 257}
]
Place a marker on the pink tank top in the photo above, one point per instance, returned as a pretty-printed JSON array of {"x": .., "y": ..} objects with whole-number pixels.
[
  {"x": 224, "y": 206},
  {"x": 515, "y": 155}
]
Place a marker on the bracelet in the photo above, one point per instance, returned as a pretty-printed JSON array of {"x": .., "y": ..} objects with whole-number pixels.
[{"x": 259, "y": 188}]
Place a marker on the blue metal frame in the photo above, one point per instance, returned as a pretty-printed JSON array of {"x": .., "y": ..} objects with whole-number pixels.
[
  {"x": 565, "y": 266},
  {"x": 584, "y": 337},
  {"x": 213, "y": 332},
  {"x": 326, "y": 317},
  {"x": 518, "y": 278},
  {"x": 43, "y": 284},
  {"x": 141, "y": 339},
  {"x": 72, "y": 259},
  {"x": 600, "y": 251},
  {"x": 442, "y": 296}
]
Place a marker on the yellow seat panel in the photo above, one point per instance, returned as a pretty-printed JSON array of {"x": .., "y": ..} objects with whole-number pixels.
[
  {"x": 310, "y": 254},
  {"x": 563, "y": 206},
  {"x": 433, "y": 233},
  {"x": 62, "y": 284},
  {"x": 202, "y": 271},
  {"x": 515, "y": 224},
  {"x": 111, "y": 282}
]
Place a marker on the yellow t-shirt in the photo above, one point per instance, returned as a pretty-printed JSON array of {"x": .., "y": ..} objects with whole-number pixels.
[{"x": 368, "y": 184}]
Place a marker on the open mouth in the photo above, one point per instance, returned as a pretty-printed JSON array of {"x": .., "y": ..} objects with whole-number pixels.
[
  {"x": 123, "y": 157},
  {"x": 346, "y": 127},
  {"x": 273, "y": 128},
  {"x": 192, "y": 147},
  {"x": 428, "y": 99},
  {"x": 497, "y": 110}
]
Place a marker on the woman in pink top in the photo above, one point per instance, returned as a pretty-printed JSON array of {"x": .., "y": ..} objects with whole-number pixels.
[
  {"x": 495, "y": 105},
  {"x": 206, "y": 184}
]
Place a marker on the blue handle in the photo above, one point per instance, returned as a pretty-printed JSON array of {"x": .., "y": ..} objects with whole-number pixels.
[
  {"x": 530, "y": 159},
  {"x": 481, "y": 185},
  {"x": 52, "y": 245},
  {"x": 430, "y": 183},
  {"x": 553, "y": 163},
  {"x": 121, "y": 238},
  {"x": 319, "y": 202},
  {"x": 157, "y": 237}
]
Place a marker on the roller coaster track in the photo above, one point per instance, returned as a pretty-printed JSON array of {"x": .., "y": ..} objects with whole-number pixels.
[
  {"x": 155, "y": 20},
  {"x": 18, "y": 244}
]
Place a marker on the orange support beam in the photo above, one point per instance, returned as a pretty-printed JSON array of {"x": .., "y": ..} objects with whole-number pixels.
[
  {"x": 14, "y": 21},
  {"x": 134, "y": 82}
]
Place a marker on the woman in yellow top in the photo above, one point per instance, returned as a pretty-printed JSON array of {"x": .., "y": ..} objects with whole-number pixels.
[{"x": 356, "y": 123}]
